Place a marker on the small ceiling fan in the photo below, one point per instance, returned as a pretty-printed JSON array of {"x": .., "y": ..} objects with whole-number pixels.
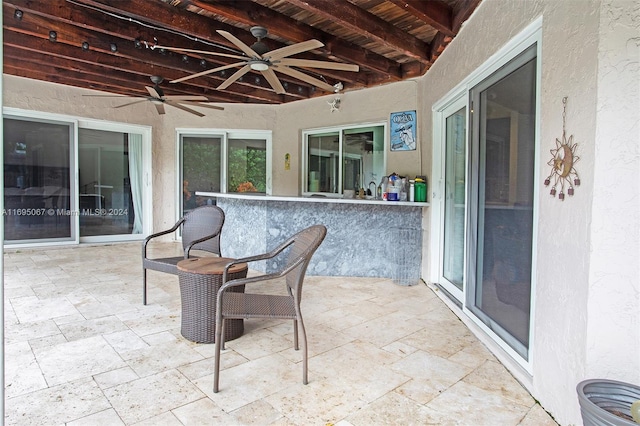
[
  {"x": 159, "y": 100},
  {"x": 259, "y": 58}
]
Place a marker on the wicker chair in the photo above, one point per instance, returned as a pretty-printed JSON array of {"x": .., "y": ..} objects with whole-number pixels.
[
  {"x": 201, "y": 229},
  {"x": 230, "y": 305}
]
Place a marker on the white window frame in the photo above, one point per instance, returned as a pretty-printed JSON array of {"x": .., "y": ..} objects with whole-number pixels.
[
  {"x": 225, "y": 135},
  {"x": 340, "y": 130}
]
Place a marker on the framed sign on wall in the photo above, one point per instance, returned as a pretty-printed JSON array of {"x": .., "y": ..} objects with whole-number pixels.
[{"x": 403, "y": 131}]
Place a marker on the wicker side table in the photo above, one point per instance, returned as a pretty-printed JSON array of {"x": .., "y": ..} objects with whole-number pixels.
[{"x": 200, "y": 279}]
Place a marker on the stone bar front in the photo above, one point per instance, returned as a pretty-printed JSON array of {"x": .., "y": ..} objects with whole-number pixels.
[{"x": 365, "y": 238}]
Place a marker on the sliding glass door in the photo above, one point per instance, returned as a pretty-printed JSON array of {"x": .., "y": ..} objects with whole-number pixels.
[
  {"x": 484, "y": 193},
  {"x": 501, "y": 208},
  {"x": 455, "y": 203},
  {"x": 38, "y": 180},
  {"x": 70, "y": 181},
  {"x": 108, "y": 200}
]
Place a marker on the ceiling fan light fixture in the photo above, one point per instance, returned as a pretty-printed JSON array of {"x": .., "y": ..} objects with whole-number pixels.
[{"x": 258, "y": 65}]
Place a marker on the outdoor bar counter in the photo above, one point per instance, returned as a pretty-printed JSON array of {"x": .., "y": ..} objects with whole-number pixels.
[{"x": 365, "y": 238}]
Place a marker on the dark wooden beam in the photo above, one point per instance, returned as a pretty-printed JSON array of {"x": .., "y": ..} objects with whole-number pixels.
[
  {"x": 127, "y": 57},
  {"x": 180, "y": 25},
  {"x": 435, "y": 13},
  {"x": 350, "y": 16},
  {"x": 250, "y": 14},
  {"x": 152, "y": 63},
  {"x": 464, "y": 11}
]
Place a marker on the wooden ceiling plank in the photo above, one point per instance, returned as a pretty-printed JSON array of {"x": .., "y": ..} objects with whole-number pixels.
[
  {"x": 184, "y": 22},
  {"x": 437, "y": 14},
  {"x": 128, "y": 82},
  {"x": 250, "y": 14},
  {"x": 142, "y": 58},
  {"x": 466, "y": 8},
  {"x": 152, "y": 64},
  {"x": 360, "y": 21}
]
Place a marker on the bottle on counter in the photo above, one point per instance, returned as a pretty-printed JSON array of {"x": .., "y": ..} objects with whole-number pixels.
[
  {"x": 394, "y": 187},
  {"x": 403, "y": 189},
  {"x": 412, "y": 190},
  {"x": 420, "y": 190},
  {"x": 383, "y": 188}
]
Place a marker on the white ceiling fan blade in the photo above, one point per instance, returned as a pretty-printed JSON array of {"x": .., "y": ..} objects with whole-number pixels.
[
  {"x": 308, "y": 63},
  {"x": 110, "y": 96},
  {"x": 131, "y": 103},
  {"x": 184, "y": 108},
  {"x": 306, "y": 78},
  {"x": 202, "y": 52},
  {"x": 159, "y": 107},
  {"x": 293, "y": 49},
  {"x": 271, "y": 78},
  {"x": 228, "y": 82},
  {"x": 202, "y": 105},
  {"x": 235, "y": 40},
  {"x": 153, "y": 92},
  {"x": 200, "y": 74},
  {"x": 187, "y": 98}
]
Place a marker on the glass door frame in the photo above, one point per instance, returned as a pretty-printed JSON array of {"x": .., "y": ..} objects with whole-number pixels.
[
  {"x": 147, "y": 192},
  {"x": 439, "y": 197},
  {"x": 76, "y": 123},
  {"x": 531, "y": 35},
  {"x": 37, "y": 116}
]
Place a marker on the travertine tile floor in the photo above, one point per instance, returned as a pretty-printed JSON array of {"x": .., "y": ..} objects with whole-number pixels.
[{"x": 81, "y": 349}]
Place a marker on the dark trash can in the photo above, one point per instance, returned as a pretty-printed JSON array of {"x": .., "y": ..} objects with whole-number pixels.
[{"x": 607, "y": 402}]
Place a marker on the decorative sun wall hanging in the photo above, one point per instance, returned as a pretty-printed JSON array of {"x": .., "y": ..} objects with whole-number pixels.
[{"x": 563, "y": 158}]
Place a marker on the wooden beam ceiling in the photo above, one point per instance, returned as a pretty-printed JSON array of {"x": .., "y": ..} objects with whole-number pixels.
[{"x": 390, "y": 40}]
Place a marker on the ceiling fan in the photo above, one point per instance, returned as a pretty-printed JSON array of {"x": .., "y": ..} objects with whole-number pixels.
[
  {"x": 259, "y": 58},
  {"x": 159, "y": 99}
]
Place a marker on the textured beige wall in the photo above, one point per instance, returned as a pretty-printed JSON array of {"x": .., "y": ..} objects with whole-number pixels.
[
  {"x": 356, "y": 107},
  {"x": 586, "y": 313}
]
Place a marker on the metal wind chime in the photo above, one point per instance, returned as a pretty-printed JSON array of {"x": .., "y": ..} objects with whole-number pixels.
[{"x": 563, "y": 158}]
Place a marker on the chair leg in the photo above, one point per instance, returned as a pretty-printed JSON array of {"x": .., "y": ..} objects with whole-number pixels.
[
  {"x": 305, "y": 361},
  {"x": 295, "y": 335},
  {"x": 218, "y": 345},
  {"x": 144, "y": 286}
]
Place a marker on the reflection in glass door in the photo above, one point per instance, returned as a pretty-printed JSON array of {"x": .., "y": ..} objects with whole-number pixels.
[
  {"x": 38, "y": 188},
  {"x": 201, "y": 169},
  {"x": 501, "y": 205},
  {"x": 454, "y": 205},
  {"x": 107, "y": 173}
]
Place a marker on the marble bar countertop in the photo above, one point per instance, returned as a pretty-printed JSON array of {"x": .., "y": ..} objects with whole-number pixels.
[{"x": 263, "y": 197}]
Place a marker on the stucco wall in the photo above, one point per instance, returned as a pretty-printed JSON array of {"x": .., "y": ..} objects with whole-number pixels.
[
  {"x": 613, "y": 339},
  {"x": 356, "y": 107},
  {"x": 586, "y": 284}
]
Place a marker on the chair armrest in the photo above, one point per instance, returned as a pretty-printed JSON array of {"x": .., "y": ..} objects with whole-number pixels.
[
  {"x": 157, "y": 234},
  {"x": 248, "y": 280},
  {"x": 188, "y": 248}
]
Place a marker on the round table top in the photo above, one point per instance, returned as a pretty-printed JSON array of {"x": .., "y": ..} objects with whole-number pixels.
[{"x": 209, "y": 265}]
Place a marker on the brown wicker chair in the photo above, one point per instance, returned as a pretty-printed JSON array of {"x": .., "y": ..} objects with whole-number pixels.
[
  {"x": 230, "y": 305},
  {"x": 201, "y": 229}
]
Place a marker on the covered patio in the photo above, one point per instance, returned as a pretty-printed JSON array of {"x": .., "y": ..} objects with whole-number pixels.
[{"x": 80, "y": 348}]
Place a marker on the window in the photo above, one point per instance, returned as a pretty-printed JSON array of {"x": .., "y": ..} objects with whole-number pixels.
[
  {"x": 222, "y": 161},
  {"x": 343, "y": 158}
]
